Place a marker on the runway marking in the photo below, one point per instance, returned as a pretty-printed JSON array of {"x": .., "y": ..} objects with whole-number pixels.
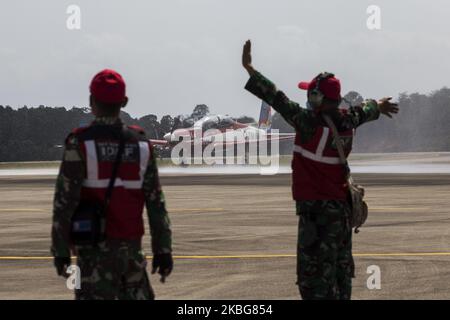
[
  {"x": 256, "y": 256},
  {"x": 189, "y": 210},
  {"x": 247, "y": 256},
  {"x": 259, "y": 256},
  {"x": 23, "y": 210},
  {"x": 412, "y": 254},
  {"x": 170, "y": 211},
  {"x": 399, "y": 208},
  {"x": 195, "y": 210}
]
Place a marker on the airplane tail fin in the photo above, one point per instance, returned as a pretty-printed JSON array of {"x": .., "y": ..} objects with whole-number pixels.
[{"x": 265, "y": 117}]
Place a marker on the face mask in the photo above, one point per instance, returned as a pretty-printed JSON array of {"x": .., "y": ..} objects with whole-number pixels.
[{"x": 309, "y": 106}]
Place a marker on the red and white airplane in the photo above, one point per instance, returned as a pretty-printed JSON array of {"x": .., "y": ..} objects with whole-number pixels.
[{"x": 218, "y": 129}]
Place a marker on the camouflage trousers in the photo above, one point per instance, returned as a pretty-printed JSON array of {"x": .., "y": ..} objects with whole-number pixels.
[
  {"x": 325, "y": 264},
  {"x": 113, "y": 270}
]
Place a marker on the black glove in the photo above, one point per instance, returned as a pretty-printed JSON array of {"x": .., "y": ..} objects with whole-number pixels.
[
  {"x": 163, "y": 263},
  {"x": 61, "y": 264}
]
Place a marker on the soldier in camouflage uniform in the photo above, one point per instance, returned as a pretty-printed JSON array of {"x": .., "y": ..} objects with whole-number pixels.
[
  {"x": 115, "y": 268},
  {"x": 324, "y": 252}
]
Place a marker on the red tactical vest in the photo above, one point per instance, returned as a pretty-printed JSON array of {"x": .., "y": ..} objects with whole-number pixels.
[
  {"x": 99, "y": 146},
  {"x": 317, "y": 173}
]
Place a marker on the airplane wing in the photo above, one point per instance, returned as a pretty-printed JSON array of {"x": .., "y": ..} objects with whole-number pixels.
[
  {"x": 280, "y": 136},
  {"x": 238, "y": 125},
  {"x": 270, "y": 137},
  {"x": 158, "y": 142}
]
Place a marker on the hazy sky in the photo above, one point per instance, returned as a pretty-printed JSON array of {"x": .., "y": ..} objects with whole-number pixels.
[{"x": 175, "y": 54}]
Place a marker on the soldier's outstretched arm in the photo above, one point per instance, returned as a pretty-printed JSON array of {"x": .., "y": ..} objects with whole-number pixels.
[
  {"x": 370, "y": 110},
  {"x": 158, "y": 219},
  {"x": 386, "y": 107},
  {"x": 266, "y": 90},
  {"x": 67, "y": 196}
]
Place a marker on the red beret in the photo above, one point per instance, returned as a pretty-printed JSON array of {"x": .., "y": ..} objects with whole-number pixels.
[{"x": 108, "y": 86}]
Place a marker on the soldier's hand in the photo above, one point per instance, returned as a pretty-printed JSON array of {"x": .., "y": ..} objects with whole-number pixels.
[
  {"x": 61, "y": 264},
  {"x": 387, "y": 107},
  {"x": 247, "y": 57},
  {"x": 163, "y": 264}
]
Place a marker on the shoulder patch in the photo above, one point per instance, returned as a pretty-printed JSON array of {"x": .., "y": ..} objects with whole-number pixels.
[{"x": 74, "y": 134}]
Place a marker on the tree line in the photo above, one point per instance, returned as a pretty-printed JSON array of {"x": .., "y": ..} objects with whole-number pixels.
[{"x": 37, "y": 134}]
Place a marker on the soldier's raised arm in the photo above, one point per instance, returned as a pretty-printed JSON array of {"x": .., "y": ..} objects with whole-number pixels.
[
  {"x": 66, "y": 199},
  {"x": 266, "y": 90},
  {"x": 158, "y": 219}
]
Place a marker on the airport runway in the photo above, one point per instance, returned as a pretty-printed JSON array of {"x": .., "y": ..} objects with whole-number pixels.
[{"x": 235, "y": 238}]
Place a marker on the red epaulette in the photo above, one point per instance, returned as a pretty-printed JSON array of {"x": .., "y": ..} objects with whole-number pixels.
[
  {"x": 137, "y": 128},
  {"x": 75, "y": 132}
]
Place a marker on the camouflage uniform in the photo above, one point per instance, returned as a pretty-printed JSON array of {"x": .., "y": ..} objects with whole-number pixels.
[
  {"x": 324, "y": 250},
  {"x": 324, "y": 258},
  {"x": 114, "y": 269}
]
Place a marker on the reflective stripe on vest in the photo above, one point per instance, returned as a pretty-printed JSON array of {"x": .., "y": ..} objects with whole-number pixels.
[
  {"x": 92, "y": 180},
  {"x": 318, "y": 156}
]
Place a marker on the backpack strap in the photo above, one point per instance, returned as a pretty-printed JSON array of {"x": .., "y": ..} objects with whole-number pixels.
[
  {"x": 339, "y": 145},
  {"x": 115, "y": 169}
]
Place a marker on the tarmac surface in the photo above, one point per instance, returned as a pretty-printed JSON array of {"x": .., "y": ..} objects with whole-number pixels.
[{"x": 235, "y": 238}]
